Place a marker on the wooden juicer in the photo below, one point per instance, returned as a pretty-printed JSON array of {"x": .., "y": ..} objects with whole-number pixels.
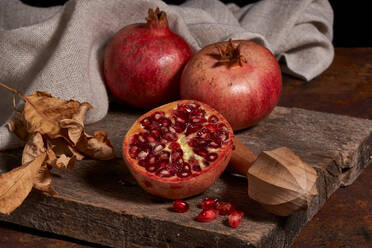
[{"x": 279, "y": 180}]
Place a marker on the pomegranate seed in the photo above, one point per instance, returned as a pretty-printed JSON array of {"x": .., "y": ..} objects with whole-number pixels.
[
  {"x": 170, "y": 136},
  {"x": 158, "y": 115},
  {"x": 209, "y": 203},
  {"x": 214, "y": 144},
  {"x": 164, "y": 155},
  {"x": 211, "y": 127},
  {"x": 142, "y": 154},
  {"x": 180, "y": 206},
  {"x": 196, "y": 168},
  {"x": 235, "y": 218},
  {"x": 223, "y": 135},
  {"x": 150, "y": 139},
  {"x": 200, "y": 151},
  {"x": 198, "y": 113},
  {"x": 205, "y": 162},
  {"x": 225, "y": 208},
  {"x": 212, "y": 157},
  {"x": 178, "y": 128},
  {"x": 152, "y": 168},
  {"x": 133, "y": 150},
  {"x": 192, "y": 128},
  {"x": 158, "y": 148},
  {"x": 176, "y": 154},
  {"x": 146, "y": 122},
  {"x": 174, "y": 145},
  {"x": 192, "y": 106},
  {"x": 184, "y": 173},
  {"x": 165, "y": 122},
  {"x": 151, "y": 159},
  {"x": 207, "y": 215},
  {"x": 212, "y": 119},
  {"x": 164, "y": 172},
  {"x": 155, "y": 133}
]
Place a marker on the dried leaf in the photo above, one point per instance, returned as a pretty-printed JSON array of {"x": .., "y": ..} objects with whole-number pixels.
[
  {"x": 75, "y": 126},
  {"x": 16, "y": 184},
  {"x": 97, "y": 147},
  {"x": 42, "y": 113},
  {"x": 18, "y": 127},
  {"x": 43, "y": 181},
  {"x": 56, "y": 138},
  {"x": 64, "y": 162},
  {"x": 34, "y": 148}
]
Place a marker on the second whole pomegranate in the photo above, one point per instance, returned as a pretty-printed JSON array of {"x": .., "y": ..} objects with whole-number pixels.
[{"x": 240, "y": 79}]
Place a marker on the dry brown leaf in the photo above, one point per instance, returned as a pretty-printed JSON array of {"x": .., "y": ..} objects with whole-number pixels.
[
  {"x": 16, "y": 184},
  {"x": 54, "y": 129},
  {"x": 42, "y": 113},
  {"x": 34, "y": 148},
  {"x": 18, "y": 127},
  {"x": 43, "y": 180},
  {"x": 97, "y": 147},
  {"x": 75, "y": 126}
]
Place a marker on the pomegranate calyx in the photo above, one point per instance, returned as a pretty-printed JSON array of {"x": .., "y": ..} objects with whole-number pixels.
[
  {"x": 231, "y": 55},
  {"x": 157, "y": 20}
]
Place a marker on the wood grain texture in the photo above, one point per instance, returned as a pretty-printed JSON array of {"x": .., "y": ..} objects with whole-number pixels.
[{"x": 100, "y": 202}]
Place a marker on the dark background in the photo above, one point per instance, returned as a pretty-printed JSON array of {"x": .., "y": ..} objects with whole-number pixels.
[{"x": 351, "y": 24}]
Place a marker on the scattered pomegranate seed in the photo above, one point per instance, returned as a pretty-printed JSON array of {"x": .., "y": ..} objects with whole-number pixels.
[
  {"x": 235, "y": 218},
  {"x": 225, "y": 208},
  {"x": 180, "y": 206},
  {"x": 209, "y": 203},
  {"x": 207, "y": 215}
]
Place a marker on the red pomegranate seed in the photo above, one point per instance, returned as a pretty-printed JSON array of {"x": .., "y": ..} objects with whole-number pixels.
[
  {"x": 212, "y": 157},
  {"x": 225, "y": 208},
  {"x": 211, "y": 127},
  {"x": 146, "y": 122},
  {"x": 209, "y": 203},
  {"x": 207, "y": 215},
  {"x": 158, "y": 115},
  {"x": 164, "y": 155},
  {"x": 165, "y": 122},
  {"x": 180, "y": 206},
  {"x": 196, "y": 167},
  {"x": 212, "y": 119},
  {"x": 165, "y": 172},
  {"x": 174, "y": 145},
  {"x": 235, "y": 218}
]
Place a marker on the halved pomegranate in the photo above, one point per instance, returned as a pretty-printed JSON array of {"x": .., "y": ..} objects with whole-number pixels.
[{"x": 179, "y": 149}]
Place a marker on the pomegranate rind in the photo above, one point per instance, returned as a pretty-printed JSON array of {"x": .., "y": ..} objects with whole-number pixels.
[{"x": 175, "y": 187}]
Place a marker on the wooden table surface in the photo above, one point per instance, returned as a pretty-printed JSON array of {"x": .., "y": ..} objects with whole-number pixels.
[{"x": 346, "y": 219}]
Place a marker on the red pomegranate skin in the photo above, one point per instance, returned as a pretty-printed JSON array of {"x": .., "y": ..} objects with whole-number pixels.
[
  {"x": 143, "y": 63},
  {"x": 244, "y": 94}
]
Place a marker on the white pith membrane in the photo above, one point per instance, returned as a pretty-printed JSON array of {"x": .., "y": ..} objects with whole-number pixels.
[{"x": 180, "y": 143}]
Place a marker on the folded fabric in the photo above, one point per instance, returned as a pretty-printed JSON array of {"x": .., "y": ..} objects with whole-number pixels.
[{"x": 59, "y": 49}]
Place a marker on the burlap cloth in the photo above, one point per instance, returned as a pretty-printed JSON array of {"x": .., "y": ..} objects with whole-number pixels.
[{"x": 59, "y": 49}]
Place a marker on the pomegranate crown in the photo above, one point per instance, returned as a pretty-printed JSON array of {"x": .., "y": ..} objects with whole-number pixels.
[
  {"x": 231, "y": 54},
  {"x": 157, "y": 19}
]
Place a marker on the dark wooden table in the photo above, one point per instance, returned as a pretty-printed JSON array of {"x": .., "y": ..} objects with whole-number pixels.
[{"x": 346, "y": 219}]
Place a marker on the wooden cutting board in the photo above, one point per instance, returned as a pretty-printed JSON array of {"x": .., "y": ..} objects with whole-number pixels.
[{"x": 101, "y": 203}]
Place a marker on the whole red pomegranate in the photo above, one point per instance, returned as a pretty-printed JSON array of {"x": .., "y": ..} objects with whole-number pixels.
[
  {"x": 179, "y": 149},
  {"x": 143, "y": 62},
  {"x": 240, "y": 79}
]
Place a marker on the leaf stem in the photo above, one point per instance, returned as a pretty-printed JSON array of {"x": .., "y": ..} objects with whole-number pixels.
[{"x": 18, "y": 93}]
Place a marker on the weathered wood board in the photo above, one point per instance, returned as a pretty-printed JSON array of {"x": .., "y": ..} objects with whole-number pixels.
[{"x": 101, "y": 203}]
